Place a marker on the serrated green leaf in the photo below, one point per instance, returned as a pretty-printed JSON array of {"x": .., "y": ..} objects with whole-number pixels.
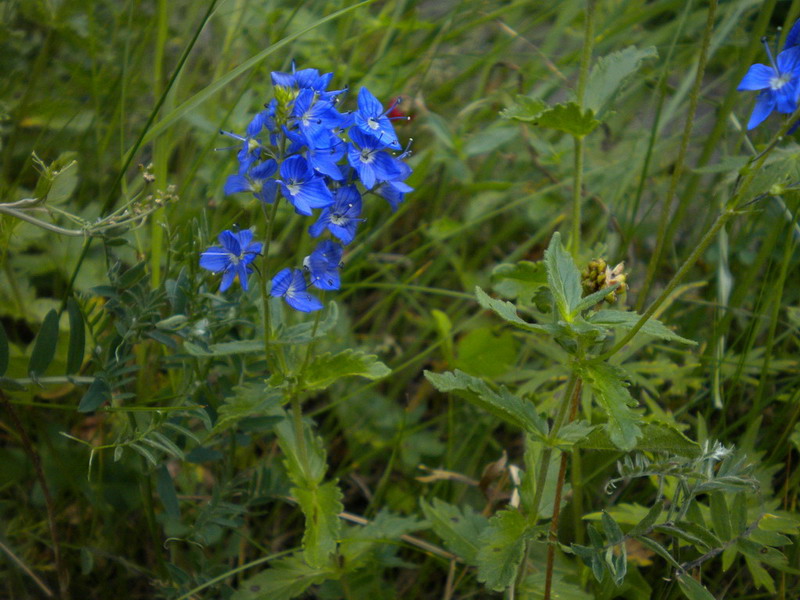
[
  {"x": 305, "y": 469},
  {"x": 501, "y": 547},
  {"x": 656, "y": 437},
  {"x": 626, "y": 320},
  {"x": 326, "y": 369},
  {"x": 287, "y": 578},
  {"x": 250, "y": 399},
  {"x": 4, "y": 351},
  {"x": 525, "y": 108},
  {"x": 97, "y": 393},
  {"x": 608, "y": 384},
  {"x": 610, "y": 73},
  {"x": 521, "y": 280},
  {"x": 459, "y": 528},
  {"x": 506, "y": 310},
  {"x": 569, "y": 118},
  {"x": 44, "y": 349},
  {"x": 692, "y": 589},
  {"x": 483, "y": 353},
  {"x": 77, "y": 338},
  {"x": 596, "y": 297},
  {"x": 166, "y": 492},
  {"x": 501, "y": 404},
  {"x": 563, "y": 278},
  {"x": 306, "y": 332},
  {"x": 321, "y": 506}
]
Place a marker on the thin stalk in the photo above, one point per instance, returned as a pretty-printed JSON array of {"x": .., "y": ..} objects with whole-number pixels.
[
  {"x": 562, "y": 471},
  {"x": 265, "y": 275},
  {"x": 742, "y": 188},
  {"x": 580, "y": 92},
  {"x": 541, "y": 479},
  {"x": 666, "y": 209}
]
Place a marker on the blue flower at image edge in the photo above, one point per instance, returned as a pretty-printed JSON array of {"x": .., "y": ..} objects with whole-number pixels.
[
  {"x": 290, "y": 285},
  {"x": 777, "y": 83},
  {"x": 232, "y": 258}
]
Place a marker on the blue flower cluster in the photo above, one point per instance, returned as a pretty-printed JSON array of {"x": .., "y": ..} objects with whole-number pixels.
[
  {"x": 302, "y": 149},
  {"x": 778, "y": 82}
]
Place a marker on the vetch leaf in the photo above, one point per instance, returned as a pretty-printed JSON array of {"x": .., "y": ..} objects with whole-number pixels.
[
  {"x": 44, "y": 349},
  {"x": 563, "y": 278},
  {"x": 502, "y": 404},
  {"x": 692, "y": 589},
  {"x": 166, "y": 492},
  {"x": 321, "y": 506},
  {"x": 501, "y": 547},
  {"x": 77, "y": 338},
  {"x": 97, "y": 393},
  {"x": 459, "y": 527},
  {"x": 610, "y": 73},
  {"x": 287, "y": 578},
  {"x": 608, "y": 384},
  {"x": 326, "y": 369}
]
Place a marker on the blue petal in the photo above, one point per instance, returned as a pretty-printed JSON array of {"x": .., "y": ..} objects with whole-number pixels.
[
  {"x": 215, "y": 259},
  {"x": 230, "y": 241},
  {"x": 227, "y": 279},
  {"x": 264, "y": 170},
  {"x": 304, "y": 302},
  {"x": 235, "y": 184},
  {"x": 765, "y": 103},
  {"x": 368, "y": 105},
  {"x": 242, "y": 271},
  {"x": 322, "y": 222},
  {"x": 295, "y": 168},
  {"x": 794, "y": 36},
  {"x": 281, "y": 283},
  {"x": 789, "y": 62},
  {"x": 757, "y": 78}
]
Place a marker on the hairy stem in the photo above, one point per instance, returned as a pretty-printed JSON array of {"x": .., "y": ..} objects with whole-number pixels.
[
  {"x": 580, "y": 92},
  {"x": 552, "y": 539}
]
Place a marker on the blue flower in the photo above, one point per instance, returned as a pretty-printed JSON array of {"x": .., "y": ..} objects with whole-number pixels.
[
  {"x": 290, "y": 285},
  {"x": 323, "y": 264},
  {"x": 778, "y": 84},
  {"x": 395, "y": 190},
  {"x": 370, "y": 160},
  {"x": 341, "y": 219},
  {"x": 256, "y": 181},
  {"x": 314, "y": 117},
  {"x": 308, "y": 79},
  {"x": 302, "y": 187},
  {"x": 237, "y": 251},
  {"x": 372, "y": 120}
]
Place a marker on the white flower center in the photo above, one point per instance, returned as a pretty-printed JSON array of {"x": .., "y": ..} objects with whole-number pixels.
[
  {"x": 778, "y": 82},
  {"x": 294, "y": 188},
  {"x": 373, "y": 124},
  {"x": 338, "y": 220}
]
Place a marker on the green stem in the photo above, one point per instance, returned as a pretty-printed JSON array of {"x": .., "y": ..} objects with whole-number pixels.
[
  {"x": 666, "y": 209},
  {"x": 580, "y": 92},
  {"x": 742, "y": 188},
  {"x": 541, "y": 478},
  {"x": 265, "y": 277},
  {"x": 562, "y": 471}
]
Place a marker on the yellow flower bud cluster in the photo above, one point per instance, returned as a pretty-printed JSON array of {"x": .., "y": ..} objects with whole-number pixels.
[{"x": 598, "y": 275}]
